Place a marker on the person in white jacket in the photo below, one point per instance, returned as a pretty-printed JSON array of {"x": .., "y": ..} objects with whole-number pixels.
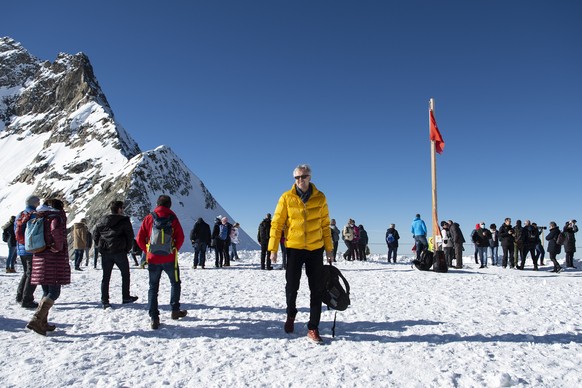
[
  {"x": 447, "y": 242},
  {"x": 234, "y": 241}
]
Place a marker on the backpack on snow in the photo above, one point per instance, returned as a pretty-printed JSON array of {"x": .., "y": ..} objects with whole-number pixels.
[
  {"x": 161, "y": 242},
  {"x": 335, "y": 295},
  {"x": 440, "y": 262}
]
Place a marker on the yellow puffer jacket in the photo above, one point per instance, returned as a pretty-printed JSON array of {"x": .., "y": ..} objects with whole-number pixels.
[{"x": 307, "y": 223}]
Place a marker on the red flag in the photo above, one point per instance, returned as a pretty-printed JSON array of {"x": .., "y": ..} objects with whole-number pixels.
[{"x": 436, "y": 135}]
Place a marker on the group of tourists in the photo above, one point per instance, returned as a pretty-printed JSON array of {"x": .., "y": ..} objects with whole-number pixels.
[
  {"x": 517, "y": 242},
  {"x": 300, "y": 226},
  {"x": 356, "y": 239},
  {"x": 113, "y": 235}
]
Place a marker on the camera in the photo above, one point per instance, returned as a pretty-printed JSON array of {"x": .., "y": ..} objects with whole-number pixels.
[{"x": 543, "y": 227}]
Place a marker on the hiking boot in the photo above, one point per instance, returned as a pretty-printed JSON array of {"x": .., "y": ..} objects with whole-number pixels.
[
  {"x": 313, "y": 336},
  {"x": 131, "y": 299},
  {"x": 30, "y": 305},
  {"x": 106, "y": 305},
  {"x": 179, "y": 314},
  {"x": 78, "y": 269},
  {"x": 155, "y": 323},
  {"x": 289, "y": 324}
]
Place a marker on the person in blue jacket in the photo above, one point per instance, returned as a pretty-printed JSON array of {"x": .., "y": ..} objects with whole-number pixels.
[{"x": 418, "y": 230}]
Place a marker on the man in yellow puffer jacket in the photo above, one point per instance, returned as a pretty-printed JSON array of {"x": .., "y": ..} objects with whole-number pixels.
[{"x": 303, "y": 210}]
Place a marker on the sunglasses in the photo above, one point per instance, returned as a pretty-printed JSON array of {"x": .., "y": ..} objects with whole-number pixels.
[{"x": 302, "y": 176}]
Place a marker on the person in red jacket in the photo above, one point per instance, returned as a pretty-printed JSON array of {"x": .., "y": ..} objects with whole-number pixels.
[{"x": 159, "y": 260}]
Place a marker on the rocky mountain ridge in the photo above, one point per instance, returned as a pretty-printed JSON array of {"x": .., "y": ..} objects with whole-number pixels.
[{"x": 59, "y": 138}]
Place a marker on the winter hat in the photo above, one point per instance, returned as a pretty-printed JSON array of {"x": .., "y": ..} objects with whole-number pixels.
[
  {"x": 33, "y": 200},
  {"x": 478, "y": 226}
]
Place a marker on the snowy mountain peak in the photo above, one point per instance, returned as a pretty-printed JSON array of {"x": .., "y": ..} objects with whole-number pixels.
[{"x": 59, "y": 137}]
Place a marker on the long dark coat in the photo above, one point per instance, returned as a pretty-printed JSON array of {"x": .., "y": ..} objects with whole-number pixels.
[
  {"x": 570, "y": 243},
  {"x": 553, "y": 247},
  {"x": 51, "y": 266}
]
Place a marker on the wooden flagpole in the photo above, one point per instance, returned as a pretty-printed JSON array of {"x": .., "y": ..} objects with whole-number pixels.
[{"x": 435, "y": 219}]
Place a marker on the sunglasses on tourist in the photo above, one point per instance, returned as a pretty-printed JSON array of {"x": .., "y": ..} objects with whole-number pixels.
[{"x": 302, "y": 176}]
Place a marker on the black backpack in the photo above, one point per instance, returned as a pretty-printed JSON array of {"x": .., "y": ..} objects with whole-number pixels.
[
  {"x": 335, "y": 295},
  {"x": 440, "y": 262},
  {"x": 425, "y": 261}
]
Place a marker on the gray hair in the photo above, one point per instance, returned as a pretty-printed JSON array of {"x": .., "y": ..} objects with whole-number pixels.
[{"x": 303, "y": 167}]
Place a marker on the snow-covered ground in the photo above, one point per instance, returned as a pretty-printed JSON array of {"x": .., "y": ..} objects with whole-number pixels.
[{"x": 466, "y": 328}]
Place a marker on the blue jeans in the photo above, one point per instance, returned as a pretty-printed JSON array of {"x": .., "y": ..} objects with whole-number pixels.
[
  {"x": 494, "y": 255},
  {"x": 155, "y": 272},
  {"x": 483, "y": 255},
  {"x": 421, "y": 244},
  {"x": 11, "y": 259},
  {"x": 200, "y": 254},
  {"x": 392, "y": 252},
  {"x": 52, "y": 292},
  {"x": 234, "y": 253}
]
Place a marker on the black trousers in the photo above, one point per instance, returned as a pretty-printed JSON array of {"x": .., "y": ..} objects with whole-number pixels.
[
  {"x": 265, "y": 256},
  {"x": 108, "y": 260},
  {"x": 553, "y": 259},
  {"x": 507, "y": 254},
  {"x": 313, "y": 261},
  {"x": 25, "y": 290}
]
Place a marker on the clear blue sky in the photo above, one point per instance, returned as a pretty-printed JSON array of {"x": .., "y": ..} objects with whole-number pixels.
[{"x": 244, "y": 91}]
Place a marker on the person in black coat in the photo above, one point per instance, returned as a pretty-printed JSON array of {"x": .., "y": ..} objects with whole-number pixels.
[
  {"x": 529, "y": 238},
  {"x": 113, "y": 236},
  {"x": 507, "y": 239},
  {"x": 553, "y": 247},
  {"x": 200, "y": 238},
  {"x": 221, "y": 237},
  {"x": 392, "y": 238},
  {"x": 458, "y": 240},
  {"x": 263, "y": 239},
  {"x": 362, "y": 242},
  {"x": 481, "y": 238},
  {"x": 570, "y": 244}
]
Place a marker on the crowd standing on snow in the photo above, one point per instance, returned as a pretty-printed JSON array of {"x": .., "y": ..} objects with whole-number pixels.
[{"x": 301, "y": 229}]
